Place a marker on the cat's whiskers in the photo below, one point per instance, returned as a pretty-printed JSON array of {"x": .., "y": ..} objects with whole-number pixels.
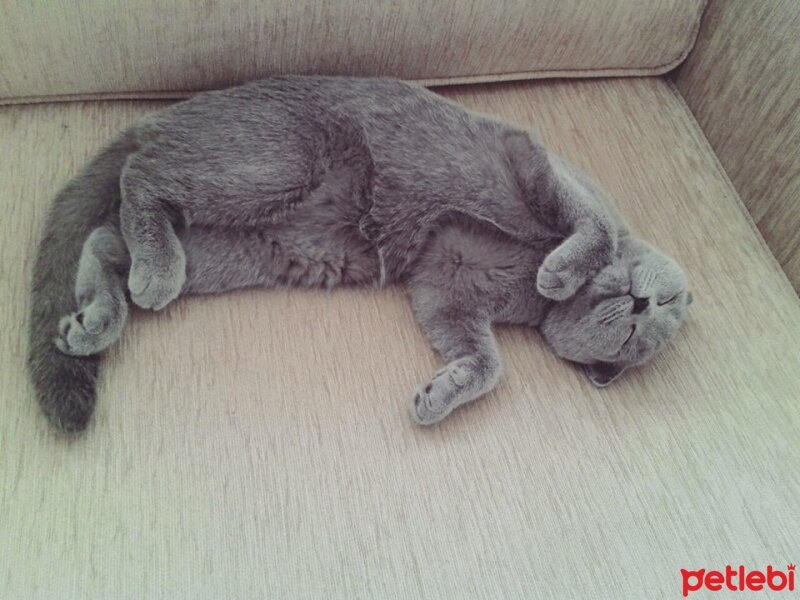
[{"x": 612, "y": 313}]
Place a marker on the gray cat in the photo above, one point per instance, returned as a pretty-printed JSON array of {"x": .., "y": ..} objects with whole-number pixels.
[{"x": 319, "y": 182}]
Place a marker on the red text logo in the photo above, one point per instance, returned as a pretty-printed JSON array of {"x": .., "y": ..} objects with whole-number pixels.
[{"x": 738, "y": 579}]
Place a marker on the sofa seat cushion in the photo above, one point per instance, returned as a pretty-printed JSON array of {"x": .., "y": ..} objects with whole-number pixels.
[
  {"x": 117, "y": 48},
  {"x": 258, "y": 444}
]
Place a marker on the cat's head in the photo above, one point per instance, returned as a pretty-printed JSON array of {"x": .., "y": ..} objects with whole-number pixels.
[{"x": 623, "y": 316}]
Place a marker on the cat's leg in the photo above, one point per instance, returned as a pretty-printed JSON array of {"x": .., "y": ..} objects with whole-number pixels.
[
  {"x": 468, "y": 276},
  {"x": 464, "y": 339},
  {"x": 568, "y": 203},
  {"x": 573, "y": 262},
  {"x": 256, "y": 181},
  {"x": 158, "y": 263},
  {"x": 100, "y": 294}
]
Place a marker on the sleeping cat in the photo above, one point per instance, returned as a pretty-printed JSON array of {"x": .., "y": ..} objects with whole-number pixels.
[{"x": 319, "y": 182}]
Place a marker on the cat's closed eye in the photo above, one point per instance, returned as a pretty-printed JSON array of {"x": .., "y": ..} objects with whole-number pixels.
[{"x": 671, "y": 300}]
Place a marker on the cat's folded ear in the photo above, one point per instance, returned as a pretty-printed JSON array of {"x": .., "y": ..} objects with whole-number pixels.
[
  {"x": 603, "y": 373},
  {"x": 529, "y": 161}
]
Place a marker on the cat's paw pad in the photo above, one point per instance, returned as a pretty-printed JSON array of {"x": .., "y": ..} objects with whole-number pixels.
[
  {"x": 438, "y": 398},
  {"x": 93, "y": 328},
  {"x": 154, "y": 285},
  {"x": 558, "y": 279}
]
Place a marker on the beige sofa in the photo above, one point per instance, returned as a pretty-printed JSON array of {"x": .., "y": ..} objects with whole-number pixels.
[{"x": 257, "y": 444}]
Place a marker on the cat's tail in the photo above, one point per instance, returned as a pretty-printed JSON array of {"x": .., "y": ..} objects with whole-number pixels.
[{"x": 65, "y": 385}]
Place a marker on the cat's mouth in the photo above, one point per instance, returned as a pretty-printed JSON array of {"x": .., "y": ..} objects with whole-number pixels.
[{"x": 630, "y": 336}]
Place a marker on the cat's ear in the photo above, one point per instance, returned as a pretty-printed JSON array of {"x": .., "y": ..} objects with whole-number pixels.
[
  {"x": 529, "y": 160},
  {"x": 603, "y": 373}
]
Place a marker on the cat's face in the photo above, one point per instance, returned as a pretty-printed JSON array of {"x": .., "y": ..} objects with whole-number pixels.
[{"x": 621, "y": 318}]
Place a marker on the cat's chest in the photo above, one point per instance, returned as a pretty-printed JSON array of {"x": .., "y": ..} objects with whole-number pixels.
[{"x": 525, "y": 307}]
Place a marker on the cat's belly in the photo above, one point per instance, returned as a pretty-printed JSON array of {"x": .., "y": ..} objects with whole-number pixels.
[{"x": 293, "y": 254}]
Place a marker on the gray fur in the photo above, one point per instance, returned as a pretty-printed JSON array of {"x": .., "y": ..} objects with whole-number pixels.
[
  {"x": 99, "y": 293},
  {"x": 319, "y": 182},
  {"x": 65, "y": 384}
]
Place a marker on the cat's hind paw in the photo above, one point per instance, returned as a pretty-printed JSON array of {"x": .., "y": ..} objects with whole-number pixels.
[
  {"x": 93, "y": 328},
  {"x": 154, "y": 286}
]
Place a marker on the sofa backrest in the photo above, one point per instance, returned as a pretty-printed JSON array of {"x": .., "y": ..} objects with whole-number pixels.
[
  {"x": 146, "y": 48},
  {"x": 741, "y": 84}
]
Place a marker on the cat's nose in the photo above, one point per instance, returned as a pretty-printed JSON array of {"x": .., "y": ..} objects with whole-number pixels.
[{"x": 640, "y": 305}]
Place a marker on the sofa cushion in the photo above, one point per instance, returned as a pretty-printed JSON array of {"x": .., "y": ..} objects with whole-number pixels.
[
  {"x": 120, "y": 48},
  {"x": 258, "y": 444}
]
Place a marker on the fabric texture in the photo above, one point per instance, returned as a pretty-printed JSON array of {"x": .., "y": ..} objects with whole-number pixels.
[
  {"x": 258, "y": 444},
  {"x": 741, "y": 84},
  {"x": 117, "y": 48}
]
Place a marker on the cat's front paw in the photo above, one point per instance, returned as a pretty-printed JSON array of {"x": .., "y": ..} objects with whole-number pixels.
[
  {"x": 559, "y": 277},
  {"x": 439, "y": 397},
  {"x": 155, "y": 283}
]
